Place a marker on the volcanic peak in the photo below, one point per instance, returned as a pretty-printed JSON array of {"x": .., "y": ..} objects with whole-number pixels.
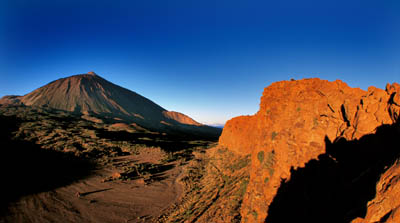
[{"x": 91, "y": 94}]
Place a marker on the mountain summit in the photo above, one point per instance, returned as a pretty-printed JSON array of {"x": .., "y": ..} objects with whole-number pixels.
[{"x": 91, "y": 94}]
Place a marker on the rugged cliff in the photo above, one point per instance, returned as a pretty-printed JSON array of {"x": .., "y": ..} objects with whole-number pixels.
[{"x": 318, "y": 150}]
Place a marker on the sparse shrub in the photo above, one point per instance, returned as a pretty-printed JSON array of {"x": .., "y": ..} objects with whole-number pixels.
[
  {"x": 240, "y": 164},
  {"x": 168, "y": 158},
  {"x": 243, "y": 187},
  {"x": 266, "y": 180},
  {"x": 273, "y": 135},
  {"x": 298, "y": 109},
  {"x": 226, "y": 178},
  {"x": 255, "y": 214},
  {"x": 271, "y": 171},
  {"x": 188, "y": 213},
  {"x": 269, "y": 162},
  {"x": 221, "y": 150},
  {"x": 315, "y": 120},
  {"x": 260, "y": 156}
]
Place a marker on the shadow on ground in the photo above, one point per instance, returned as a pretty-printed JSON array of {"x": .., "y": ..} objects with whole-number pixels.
[
  {"x": 337, "y": 186},
  {"x": 27, "y": 169},
  {"x": 169, "y": 143}
]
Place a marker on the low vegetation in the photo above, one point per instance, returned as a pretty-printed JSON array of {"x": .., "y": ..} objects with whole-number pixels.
[
  {"x": 215, "y": 182},
  {"x": 150, "y": 153},
  {"x": 68, "y": 132}
]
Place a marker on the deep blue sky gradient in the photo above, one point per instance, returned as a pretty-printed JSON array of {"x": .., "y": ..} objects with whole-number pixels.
[{"x": 208, "y": 59}]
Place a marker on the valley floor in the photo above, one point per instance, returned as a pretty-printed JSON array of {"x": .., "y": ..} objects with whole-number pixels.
[
  {"x": 95, "y": 199},
  {"x": 60, "y": 167}
]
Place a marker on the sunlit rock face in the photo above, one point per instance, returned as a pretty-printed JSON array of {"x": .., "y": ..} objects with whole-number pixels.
[{"x": 300, "y": 131}]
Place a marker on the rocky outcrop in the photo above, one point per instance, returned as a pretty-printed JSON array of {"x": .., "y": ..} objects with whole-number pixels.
[{"x": 295, "y": 123}]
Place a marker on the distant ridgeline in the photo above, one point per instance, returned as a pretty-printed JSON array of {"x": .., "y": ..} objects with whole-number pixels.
[{"x": 92, "y": 95}]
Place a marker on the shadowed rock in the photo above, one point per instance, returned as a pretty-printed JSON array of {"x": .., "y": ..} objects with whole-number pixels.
[
  {"x": 289, "y": 133},
  {"x": 338, "y": 186}
]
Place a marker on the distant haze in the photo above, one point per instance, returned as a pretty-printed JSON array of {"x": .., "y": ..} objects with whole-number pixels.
[
  {"x": 207, "y": 59},
  {"x": 217, "y": 126}
]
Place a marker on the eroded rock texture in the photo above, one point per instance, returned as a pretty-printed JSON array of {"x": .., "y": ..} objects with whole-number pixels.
[{"x": 318, "y": 150}]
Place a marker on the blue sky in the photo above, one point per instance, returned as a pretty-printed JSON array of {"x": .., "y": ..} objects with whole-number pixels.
[{"x": 208, "y": 59}]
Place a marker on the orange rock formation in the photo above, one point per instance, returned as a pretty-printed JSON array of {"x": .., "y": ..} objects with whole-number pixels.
[{"x": 295, "y": 122}]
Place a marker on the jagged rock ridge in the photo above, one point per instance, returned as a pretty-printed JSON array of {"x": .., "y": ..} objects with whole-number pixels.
[{"x": 299, "y": 129}]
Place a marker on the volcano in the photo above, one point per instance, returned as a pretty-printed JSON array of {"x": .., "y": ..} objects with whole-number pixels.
[{"x": 90, "y": 94}]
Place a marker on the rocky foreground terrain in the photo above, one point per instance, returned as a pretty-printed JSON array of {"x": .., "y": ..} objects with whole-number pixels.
[{"x": 59, "y": 166}]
